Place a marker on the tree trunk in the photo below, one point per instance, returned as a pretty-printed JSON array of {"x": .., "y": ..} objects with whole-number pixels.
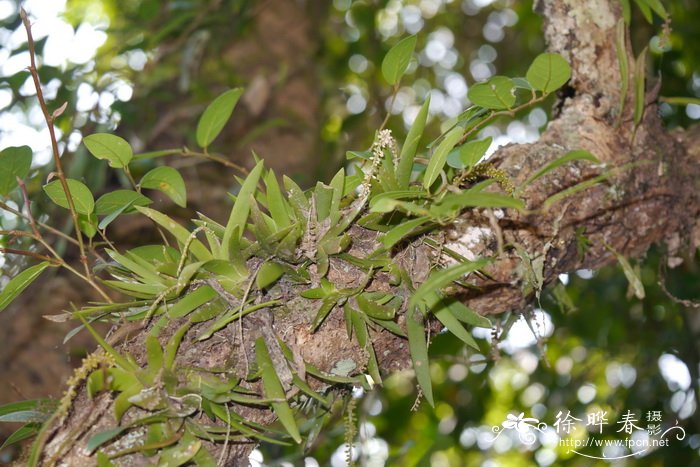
[{"x": 650, "y": 198}]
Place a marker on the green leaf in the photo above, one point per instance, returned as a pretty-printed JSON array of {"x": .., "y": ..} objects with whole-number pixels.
[
  {"x": 100, "y": 438},
  {"x": 24, "y": 432},
  {"x": 276, "y": 203},
  {"x": 397, "y": 59},
  {"x": 103, "y": 460},
  {"x": 630, "y": 274},
  {"x": 373, "y": 309},
  {"x": 82, "y": 197},
  {"x": 191, "y": 301},
  {"x": 120, "y": 199},
  {"x": 437, "y": 160},
  {"x": 34, "y": 411},
  {"x": 15, "y": 162},
  {"x": 548, "y": 72},
  {"x": 216, "y": 115},
  {"x": 622, "y": 62},
  {"x": 410, "y": 146},
  {"x": 88, "y": 224},
  {"x": 112, "y": 148},
  {"x": 241, "y": 210},
  {"x": 639, "y": 86},
  {"x": 468, "y": 154},
  {"x": 401, "y": 231},
  {"x": 327, "y": 305},
  {"x": 179, "y": 232},
  {"x": 274, "y": 390},
  {"x": 181, "y": 453},
  {"x": 568, "y": 157},
  {"x": 20, "y": 282},
  {"x": 418, "y": 348},
  {"x": 439, "y": 279},
  {"x": 466, "y": 314},
  {"x": 443, "y": 313},
  {"x": 167, "y": 180},
  {"x": 681, "y": 100},
  {"x": 496, "y": 93},
  {"x": 268, "y": 275},
  {"x": 453, "y": 203}
]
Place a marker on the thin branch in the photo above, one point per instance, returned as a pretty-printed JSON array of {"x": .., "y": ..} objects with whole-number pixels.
[
  {"x": 54, "y": 143},
  {"x": 31, "y": 254}
]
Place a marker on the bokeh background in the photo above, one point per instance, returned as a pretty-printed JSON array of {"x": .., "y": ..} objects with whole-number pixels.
[{"x": 146, "y": 69}]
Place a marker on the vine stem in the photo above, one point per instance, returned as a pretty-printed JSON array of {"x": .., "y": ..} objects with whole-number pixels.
[
  {"x": 185, "y": 152},
  {"x": 54, "y": 143}
]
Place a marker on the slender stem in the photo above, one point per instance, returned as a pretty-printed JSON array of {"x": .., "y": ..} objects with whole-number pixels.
[
  {"x": 393, "y": 99},
  {"x": 31, "y": 254},
  {"x": 510, "y": 112},
  {"x": 54, "y": 231},
  {"x": 130, "y": 177},
  {"x": 216, "y": 158},
  {"x": 54, "y": 143}
]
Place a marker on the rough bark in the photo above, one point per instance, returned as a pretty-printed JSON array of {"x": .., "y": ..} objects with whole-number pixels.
[{"x": 650, "y": 202}]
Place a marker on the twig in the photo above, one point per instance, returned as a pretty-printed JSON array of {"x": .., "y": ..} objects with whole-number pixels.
[
  {"x": 13, "y": 251},
  {"x": 214, "y": 157},
  {"x": 54, "y": 143}
]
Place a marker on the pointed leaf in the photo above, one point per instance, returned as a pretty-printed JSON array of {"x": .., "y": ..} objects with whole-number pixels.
[
  {"x": 216, "y": 115},
  {"x": 397, "y": 59},
  {"x": 418, "y": 348},
  {"x": 179, "y": 232},
  {"x": 441, "y": 278},
  {"x": 20, "y": 282},
  {"x": 437, "y": 160},
  {"x": 241, "y": 209},
  {"x": 274, "y": 390},
  {"x": 410, "y": 146}
]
